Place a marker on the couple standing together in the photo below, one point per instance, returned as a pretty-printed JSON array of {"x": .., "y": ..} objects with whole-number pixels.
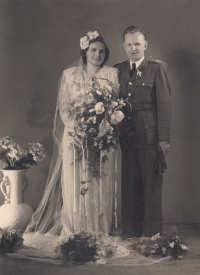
[{"x": 74, "y": 199}]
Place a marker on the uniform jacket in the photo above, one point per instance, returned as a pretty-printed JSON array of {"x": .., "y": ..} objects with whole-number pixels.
[{"x": 148, "y": 109}]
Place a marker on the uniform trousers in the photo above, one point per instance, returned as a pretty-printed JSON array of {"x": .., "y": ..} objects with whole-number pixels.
[{"x": 141, "y": 193}]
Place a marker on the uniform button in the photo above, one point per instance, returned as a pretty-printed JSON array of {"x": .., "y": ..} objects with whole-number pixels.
[
  {"x": 143, "y": 84},
  {"x": 129, "y": 94},
  {"x": 129, "y": 118},
  {"x": 130, "y": 83}
]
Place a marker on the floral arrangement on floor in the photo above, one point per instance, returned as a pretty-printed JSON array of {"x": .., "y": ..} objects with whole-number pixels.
[
  {"x": 167, "y": 245},
  {"x": 96, "y": 124},
  {"x": 84, "y": 247},
  {"x": 10, "y": 241},
  {"x": 14, "y": 157}
]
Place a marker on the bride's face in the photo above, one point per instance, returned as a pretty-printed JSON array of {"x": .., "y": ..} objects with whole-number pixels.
[{"x": 96, "y": 53}]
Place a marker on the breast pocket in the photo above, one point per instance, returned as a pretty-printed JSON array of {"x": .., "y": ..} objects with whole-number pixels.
[{"x": 143, "y": 90}]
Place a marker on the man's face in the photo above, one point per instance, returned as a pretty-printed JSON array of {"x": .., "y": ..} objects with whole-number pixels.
[{"x": 135, "y": 45}]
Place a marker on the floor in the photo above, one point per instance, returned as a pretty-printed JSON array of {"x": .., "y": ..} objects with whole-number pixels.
[{"x": 189, "y": 265}]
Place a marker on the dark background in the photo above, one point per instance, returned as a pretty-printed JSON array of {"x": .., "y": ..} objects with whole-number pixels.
[{"x": 40, "y": 38}]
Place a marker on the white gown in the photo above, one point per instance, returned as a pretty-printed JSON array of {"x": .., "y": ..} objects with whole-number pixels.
[
  {"x": 91, "y": 212},
  {"x": 63, "y": 211}
]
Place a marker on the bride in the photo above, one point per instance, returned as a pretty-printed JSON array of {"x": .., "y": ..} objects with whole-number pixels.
[{"x": 82, "y": 182}]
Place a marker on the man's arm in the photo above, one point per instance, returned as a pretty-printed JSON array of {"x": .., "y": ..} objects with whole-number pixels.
[{"x": 163, "y": 95}]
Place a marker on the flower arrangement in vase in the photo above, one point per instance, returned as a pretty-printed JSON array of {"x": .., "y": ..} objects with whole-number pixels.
[
  {"x": 15, "y": 214},
  {"x": 14, "y": 157}
]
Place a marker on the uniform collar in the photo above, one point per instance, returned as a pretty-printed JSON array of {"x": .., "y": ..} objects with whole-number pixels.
[
  {"x": 137, "y": 63},
  {"x": 143, "y": 64}
]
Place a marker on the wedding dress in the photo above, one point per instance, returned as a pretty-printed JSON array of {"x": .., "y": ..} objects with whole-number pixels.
[{"x": 63, "y": 210}]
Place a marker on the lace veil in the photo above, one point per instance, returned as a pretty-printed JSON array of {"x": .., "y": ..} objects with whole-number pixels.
[{"x": 46, "y": 218}]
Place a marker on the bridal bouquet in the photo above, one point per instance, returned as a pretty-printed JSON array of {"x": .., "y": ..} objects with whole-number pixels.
[
  {"x": 96, "y": 120},
  {"x": 14, "y": 157}
]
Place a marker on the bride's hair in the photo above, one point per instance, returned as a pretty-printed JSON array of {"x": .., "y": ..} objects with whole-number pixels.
[{"x": 97, "y": 39}]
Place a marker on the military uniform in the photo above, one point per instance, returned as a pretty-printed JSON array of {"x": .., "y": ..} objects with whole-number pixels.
[{"x": 147, "y": 121}]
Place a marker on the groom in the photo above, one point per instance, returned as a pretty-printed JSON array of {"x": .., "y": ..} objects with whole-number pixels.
[{"x": 145, "y": 131}]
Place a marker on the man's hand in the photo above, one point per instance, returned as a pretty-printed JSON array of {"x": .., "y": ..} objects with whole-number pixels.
[{"x": 164, "y": 146}]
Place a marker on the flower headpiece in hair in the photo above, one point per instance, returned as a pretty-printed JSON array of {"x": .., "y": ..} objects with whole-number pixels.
[{"x": 85, "y": 40}]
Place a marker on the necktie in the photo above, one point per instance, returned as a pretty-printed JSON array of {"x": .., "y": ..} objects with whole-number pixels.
[{"x": 133, "y": 69}]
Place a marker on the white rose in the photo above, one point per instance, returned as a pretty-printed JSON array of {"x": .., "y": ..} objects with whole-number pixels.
[
  {"x": 171, "y": 245},
  {"x": 92, "y": 119},
  {"x": 116, "y": 117},
  {"x": 98, "y": 92},
  {"x": 184, "y": 247},
  {"x": 84, "y": 43},
  {"x": 99, "y": 108},
  {"x": 82, "y": 119},
  {"x": 92, "y": 35},
  {"x": 114, "y": 103}
]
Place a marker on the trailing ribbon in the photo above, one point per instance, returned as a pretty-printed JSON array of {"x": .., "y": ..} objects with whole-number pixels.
[
  {"x": 115, "y": 189},
  {"x": 74, "y": 179},
  {"x": 100, "y": 188},
  {"x": 86, "y": 178}
]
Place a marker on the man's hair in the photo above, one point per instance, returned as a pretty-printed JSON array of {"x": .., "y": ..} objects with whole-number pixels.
[
  {"x": 98, "y": 39},
  {"x": 132, "y": 30}
]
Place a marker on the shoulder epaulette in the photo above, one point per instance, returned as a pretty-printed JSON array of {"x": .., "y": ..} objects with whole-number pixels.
[{"x": 155, "y": 61}]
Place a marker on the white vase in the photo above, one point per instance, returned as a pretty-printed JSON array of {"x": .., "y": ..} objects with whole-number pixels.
[{"x": 14, "y": 214}]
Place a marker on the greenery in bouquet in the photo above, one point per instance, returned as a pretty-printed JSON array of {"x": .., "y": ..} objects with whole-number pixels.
[
  {"x": 10, "y": 240},
  {"x": 96, "y": 119},
  {"x": 83, "y": 247},
  {"x": 14, "y": 157},
  {"x": 168, "y": 245}
]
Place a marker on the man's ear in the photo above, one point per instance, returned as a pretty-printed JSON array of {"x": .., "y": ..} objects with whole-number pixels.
[{"x": 146, "y": 45}]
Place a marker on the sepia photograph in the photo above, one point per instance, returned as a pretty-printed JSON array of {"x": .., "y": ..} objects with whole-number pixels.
[{"x": 99, "y": 137}]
